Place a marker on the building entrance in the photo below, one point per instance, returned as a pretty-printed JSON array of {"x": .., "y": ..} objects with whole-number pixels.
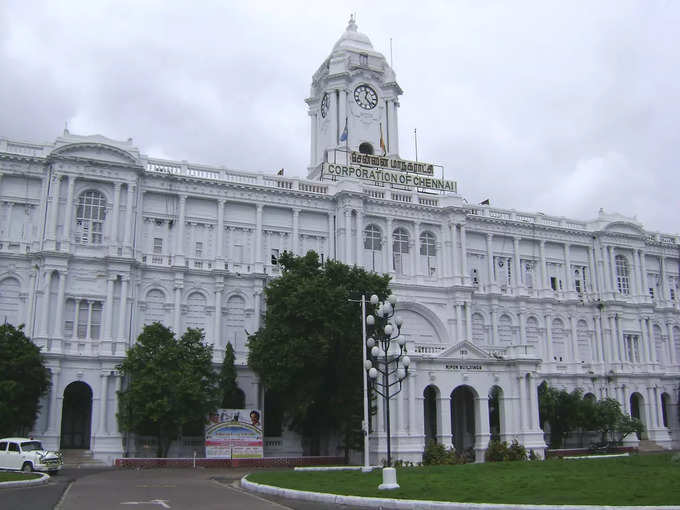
[
  {"x": 76, "y": 416},
  {"x": 463, "y": 418}
]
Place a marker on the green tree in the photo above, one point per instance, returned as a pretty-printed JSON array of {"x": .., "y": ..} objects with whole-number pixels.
[
  {"x": 612, "y": 423},
  {"x": 170, "y": 384},
  {"x": 232, "y": 397},
  {"x": 309, "y": 349},
  {"x": 561, "y": 409},
  {"x": 23, "y": 380}
]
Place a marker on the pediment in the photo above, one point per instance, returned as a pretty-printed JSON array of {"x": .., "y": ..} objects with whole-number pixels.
[
  {"x": 624, "y": 227},
  {"x": 98, "y": 151},
  {"x": 464, "y": 350}
]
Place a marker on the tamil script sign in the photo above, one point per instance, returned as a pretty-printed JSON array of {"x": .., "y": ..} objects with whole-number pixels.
[
  {"x": 387, "y": 176},
  {"x": 402, "y": 165},
  {"x": 234, "y": 434}
]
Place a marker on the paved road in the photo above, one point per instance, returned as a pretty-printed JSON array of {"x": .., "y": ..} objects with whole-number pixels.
[
  {"x": 156, "y": 489},
  {"x": 43, "y": 497}
]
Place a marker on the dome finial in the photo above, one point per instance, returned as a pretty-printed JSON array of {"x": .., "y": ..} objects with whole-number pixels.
[{"x": 352, "y": 25}]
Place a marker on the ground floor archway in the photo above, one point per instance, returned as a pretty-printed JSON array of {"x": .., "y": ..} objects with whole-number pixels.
[
  {"x": 637, "y": 407},
  {"x": 430, "y": 413},
  {"x": 76, "y": 416},
  {"x": 463, "y": 418}
]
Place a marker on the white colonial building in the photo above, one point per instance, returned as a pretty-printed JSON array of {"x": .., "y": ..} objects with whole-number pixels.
[{"x": 97, "y": 239}]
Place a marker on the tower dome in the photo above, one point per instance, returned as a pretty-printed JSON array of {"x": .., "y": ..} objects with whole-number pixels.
[{"x": 353, "y": 39}]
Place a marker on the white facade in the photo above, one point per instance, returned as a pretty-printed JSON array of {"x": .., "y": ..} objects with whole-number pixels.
[{"x": 97, "y": 239}]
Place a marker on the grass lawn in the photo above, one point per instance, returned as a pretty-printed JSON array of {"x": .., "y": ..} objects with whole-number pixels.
[
  {"x": 6, "y": 476},
  {"x": 635, "y": 480}
]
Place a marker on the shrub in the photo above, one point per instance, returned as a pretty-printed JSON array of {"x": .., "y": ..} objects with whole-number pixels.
[
  {"x": 436, "y": 454},
  {"x": 500, "y": 452}
]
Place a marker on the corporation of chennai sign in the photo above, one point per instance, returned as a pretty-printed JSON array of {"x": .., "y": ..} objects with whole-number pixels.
[{"x": 384, "y": 175}]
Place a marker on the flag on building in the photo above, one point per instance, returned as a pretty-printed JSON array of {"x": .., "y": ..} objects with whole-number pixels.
[
  {"x": 382, "y": 141},
  {"x": 343, "y": 136}
]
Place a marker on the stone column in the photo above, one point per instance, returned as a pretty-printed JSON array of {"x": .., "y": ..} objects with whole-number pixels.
[
  {"x": 658, "y": 403},
  {"x": 8, "y": 222},
  {"x": 76, "y": 319},
  {"x": 30, "y": 309},
  {"x": 259, "y": 256},
  {"x": 88, "y": 334},
  {"x": 518, "y": 275},
  {"x": 569, "y": 284},
  {"x": 548, "y": 338},
  {"x": 453, "y": 228},
  {"x": 347, "y": 236},
  {"x": 258, "y": 311},
  {"x": 101, "y": 430},
  {"x": 445, "y": 415},
  {"x": 59, "y": 320},
  {"x": 489, "y": 257},
  {"x": 359, "y": 240},
  {"x": 108, "y": 317},
  {"x": 671, "y": 344},
  {"x": 463, "y": 255},
  {"x": 645, "y": 341},
  {"x": 217, "y": 341},
  {"x": 522, "y": 403},
  {"x": 651, "y": 406},
  {"x": 459, "y": 322},
  {"x": 482, "y": 434},
  {"x": 123, "y": 307},
  {"x": 612, "y": 268},
  {"x": 544, "y": 272},
  {"x": 592, "y": 282},
  {"x": 179, "y": 242},
  {"x": 664, "y": 283},
  {"x": 44, "y": 321},
  {"x": 331, "y": 237},
  {"x": 494, "y": 326},
  {"x": 533, "y": 403},
  {"x": 619, "y": 337},
  {"x": 522, "y": 327},
  {"x": 643, "y": 271},
  {"x": 468, "y": 320},
  {"x": 54, "y": 214},
  {"x": 115, "y": 219},
  {"x": 389, "y": 266},
  {"x": 68, "y": 213},
  {"x": 400, "y": 412},
  {"x": 53, "y": 412},
  {"x": 652, "y": 341},
  {"x": 178, "y": 307},
  {"x": 219, "y": 252},
  {"x": 411, "y": 381},
  {"x": 128, "y": 217},
  {"x": 574, "y": 340},
  {"x": 415, "y": 257},
  {"x": 614, "y": 337},
  {"x": 295, "y": 248}
]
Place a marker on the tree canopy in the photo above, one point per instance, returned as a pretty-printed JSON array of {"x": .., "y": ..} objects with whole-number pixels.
[
  {"x": 23, "y": 380},
  {"x": 170, "y": 384},
  {"x": 310, "y": 347}
]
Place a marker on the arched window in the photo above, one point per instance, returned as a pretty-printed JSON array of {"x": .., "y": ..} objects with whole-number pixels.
[
  {"x": 399, "y": 249},
  {"x": 373, "y": 238},
  {"x": 90, "y": 215},
  {"x": 622, "y": 274}
]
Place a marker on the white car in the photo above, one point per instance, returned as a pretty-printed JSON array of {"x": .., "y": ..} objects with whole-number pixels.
[{"x": 25, "y": 454}]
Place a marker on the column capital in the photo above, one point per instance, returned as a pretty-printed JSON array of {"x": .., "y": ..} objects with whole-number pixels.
[
  {"x": 489, "y": 235},
  {"x": 117, "y": 185}
]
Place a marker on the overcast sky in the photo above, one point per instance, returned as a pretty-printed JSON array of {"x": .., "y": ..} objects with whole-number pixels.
[{"x": 558, "y": 107}]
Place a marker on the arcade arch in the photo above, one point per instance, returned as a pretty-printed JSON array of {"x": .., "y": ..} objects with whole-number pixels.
[{"x": 76, "y": 416}]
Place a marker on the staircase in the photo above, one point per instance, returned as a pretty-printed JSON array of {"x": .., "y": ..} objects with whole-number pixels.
[
  {"x": 81, "y": 459},
  {"x": 646, "y": 446}
]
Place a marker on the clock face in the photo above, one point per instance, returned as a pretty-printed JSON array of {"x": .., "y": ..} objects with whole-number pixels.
[
  {"x": 365, "y": 97},
  {"x": 324, "y": 105}
]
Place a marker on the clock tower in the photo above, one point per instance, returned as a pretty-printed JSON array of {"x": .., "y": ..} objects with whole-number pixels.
[{"x": 353, "y": 102}]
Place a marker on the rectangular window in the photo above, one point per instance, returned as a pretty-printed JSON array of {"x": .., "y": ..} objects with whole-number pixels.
[
  {"x": 82, "y": 319},
  {"x": 198, "y": 251},
  {"x": 157, "y": 245},
  {"x": 632, "y": 346},
  {"x": 553, "y": 283},
  {"x": 672, "y": 294},
  {"x": 363, "y": 59},
  {"x": 275, "y": 257},
  {"x": 651, "y": 292},
  {"x": 96, "y": 320}
]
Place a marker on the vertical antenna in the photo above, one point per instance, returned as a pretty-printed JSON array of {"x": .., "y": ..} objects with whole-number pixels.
[
  {"x": 415, "y": 137},
  {"x": 391, "y": 60}
]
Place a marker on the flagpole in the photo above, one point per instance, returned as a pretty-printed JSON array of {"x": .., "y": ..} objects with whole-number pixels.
[{"x": 415, "y": 137}]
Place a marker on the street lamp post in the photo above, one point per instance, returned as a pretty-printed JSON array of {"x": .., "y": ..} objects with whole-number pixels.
[{"x": 386, "y": 365}]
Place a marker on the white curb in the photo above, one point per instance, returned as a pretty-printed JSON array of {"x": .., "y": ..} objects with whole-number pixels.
[
  {"x": 412, "y": 504},
  {"x": 44, "y": 478}
]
